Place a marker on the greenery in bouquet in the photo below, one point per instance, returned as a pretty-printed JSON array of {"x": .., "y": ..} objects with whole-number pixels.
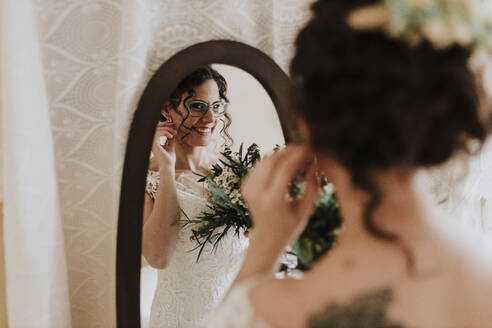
[
  {"x": 322, "y": 230},
  {"x": 228, "y": 211}
]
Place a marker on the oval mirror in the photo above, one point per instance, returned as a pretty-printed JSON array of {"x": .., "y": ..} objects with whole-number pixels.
[{"x": 185, "y": 110}]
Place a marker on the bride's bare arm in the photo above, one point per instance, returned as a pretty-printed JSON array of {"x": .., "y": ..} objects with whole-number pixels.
[
  {"x": 160, "y": 217},
  {"x": 160, "y": 223}
]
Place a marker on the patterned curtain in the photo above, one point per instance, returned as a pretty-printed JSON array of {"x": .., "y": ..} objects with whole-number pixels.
[{"x": 72, "y": 73}]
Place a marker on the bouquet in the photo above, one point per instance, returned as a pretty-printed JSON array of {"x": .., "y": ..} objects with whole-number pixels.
[
  {"x": 322, "y": 230},
  {"x": 228, "y": 211}
]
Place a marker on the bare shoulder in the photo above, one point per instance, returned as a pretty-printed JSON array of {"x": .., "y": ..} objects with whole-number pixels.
[{"x": 474, "y": 287}]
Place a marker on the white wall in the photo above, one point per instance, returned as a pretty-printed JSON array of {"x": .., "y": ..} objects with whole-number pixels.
[{"x": 254, "y": 118}]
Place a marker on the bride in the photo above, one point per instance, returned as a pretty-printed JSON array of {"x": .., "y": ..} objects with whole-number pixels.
[
  {"x": 378, "y": 110},
  {"x": 187, "y": 291}
]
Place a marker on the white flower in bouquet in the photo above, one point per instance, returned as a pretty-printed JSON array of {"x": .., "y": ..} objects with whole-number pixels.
[{"x": 228, "y": 210}]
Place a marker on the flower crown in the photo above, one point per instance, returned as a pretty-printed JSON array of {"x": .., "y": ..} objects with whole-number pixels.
[{"x": 443, "y": 23}]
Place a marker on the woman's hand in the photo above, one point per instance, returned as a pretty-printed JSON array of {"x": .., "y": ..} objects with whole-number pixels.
[
  {"x": 265, "y": 190},
  {"x": 277, "y": 220},
  {"x": 165, "y": 154}
]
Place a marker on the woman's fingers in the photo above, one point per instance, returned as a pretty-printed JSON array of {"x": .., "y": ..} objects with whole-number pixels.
[
  {"x": 276, "y": 172},
  {"x": 165, "y": 154},
  {"x": 163, "y": 136},
  {"x": 160, "y": 144},
  {"x": 168, "y": 134},
  {"x": 167, "y": 124},
  {"x": 169, "y": 146},
  {"x": 294, "y": 160},
  {"x": 305, "y": 205},
  {"x": 260, "y": 175},
  {"x": 166, "y": 130}
]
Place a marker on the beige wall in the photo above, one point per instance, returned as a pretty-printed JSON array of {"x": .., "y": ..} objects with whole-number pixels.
[
  {"x": 3, "y": 298},
  {"x": 254, "y": 118}
]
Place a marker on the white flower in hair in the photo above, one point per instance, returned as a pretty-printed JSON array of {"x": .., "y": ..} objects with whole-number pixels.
[
  {"x": 441, "y": 22},
  {"x": 440, "y": 33}
]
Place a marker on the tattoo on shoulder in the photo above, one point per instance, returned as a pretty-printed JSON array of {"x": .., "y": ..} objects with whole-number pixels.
[{"x": 367, "y": 310}]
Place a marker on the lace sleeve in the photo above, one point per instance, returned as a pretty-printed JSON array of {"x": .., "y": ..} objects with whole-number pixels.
[
  {"x": 185, "y": 182},
  {"x": 236, "y": 310},
  {"x": 152, "y": 183}
]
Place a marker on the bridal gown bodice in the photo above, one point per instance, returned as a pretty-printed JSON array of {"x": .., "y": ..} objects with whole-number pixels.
[
  {"x": 237, "y": 311},
  {"x": 188, "y": 292}
]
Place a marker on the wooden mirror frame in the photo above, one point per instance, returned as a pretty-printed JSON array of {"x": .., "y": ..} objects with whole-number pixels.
[{"x": 129, "y": 239}]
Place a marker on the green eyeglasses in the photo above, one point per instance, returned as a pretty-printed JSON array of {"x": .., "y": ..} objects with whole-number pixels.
[{"x": 200, "y": 107}]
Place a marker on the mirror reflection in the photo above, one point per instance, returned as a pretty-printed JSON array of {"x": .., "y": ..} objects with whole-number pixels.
[{"x": 215, "y": 112}]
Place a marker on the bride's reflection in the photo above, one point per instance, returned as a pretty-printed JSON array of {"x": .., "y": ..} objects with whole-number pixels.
[{"x": 185, "y": 142}]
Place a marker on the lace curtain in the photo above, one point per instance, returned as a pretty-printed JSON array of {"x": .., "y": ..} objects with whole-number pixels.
[{"x": 72, "y": 72}]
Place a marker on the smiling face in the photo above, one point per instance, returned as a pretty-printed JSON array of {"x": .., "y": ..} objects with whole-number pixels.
[{"x": 197, "y": 131}]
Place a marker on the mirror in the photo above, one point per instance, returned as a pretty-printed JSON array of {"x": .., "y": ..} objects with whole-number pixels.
[
  {"x": 184, "y": 283},
  {"x": 259, "y": 104}
]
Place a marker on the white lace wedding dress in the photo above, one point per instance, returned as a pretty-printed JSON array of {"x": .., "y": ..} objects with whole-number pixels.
[
  {"x": 236, "y": 311},
  {"x": 188, "y": 292}
]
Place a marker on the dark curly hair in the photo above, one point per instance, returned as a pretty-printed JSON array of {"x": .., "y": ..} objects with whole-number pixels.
[
  {"x": 188, "y": 85},
  {"x": 373, "y": 102}
]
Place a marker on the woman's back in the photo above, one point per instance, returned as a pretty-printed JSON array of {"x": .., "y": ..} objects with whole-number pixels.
[
  {"x": 366, "y": 284},
  {"x": 438, "y": 276}
]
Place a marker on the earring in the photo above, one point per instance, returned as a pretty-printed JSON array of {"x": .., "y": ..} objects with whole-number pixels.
[{"x": 162, "y": 118}]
